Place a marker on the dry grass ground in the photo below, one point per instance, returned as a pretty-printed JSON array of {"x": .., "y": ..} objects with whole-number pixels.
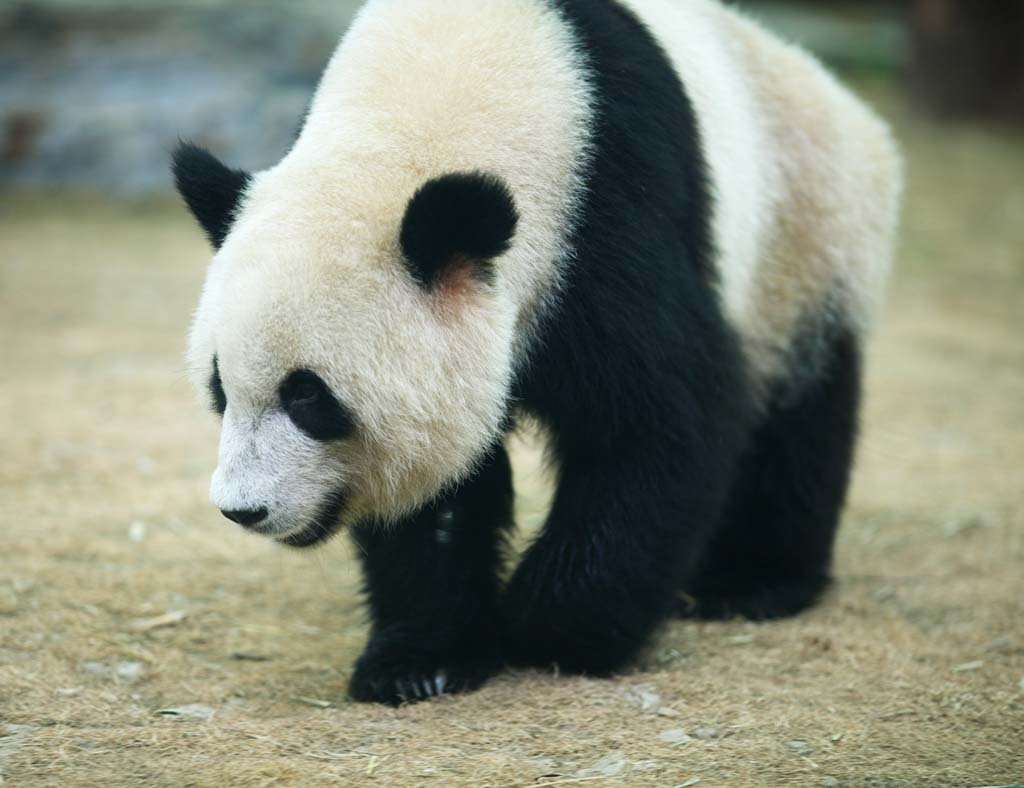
[{"x": 910, "y": 675}]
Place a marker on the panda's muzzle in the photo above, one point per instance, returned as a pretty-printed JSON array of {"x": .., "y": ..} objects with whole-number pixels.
[{"x": 322, "y": 527}]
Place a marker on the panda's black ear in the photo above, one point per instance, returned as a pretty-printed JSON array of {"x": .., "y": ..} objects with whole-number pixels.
[
  {"x": 210, "y": 189},
  {"x": 459, "y": 221}
]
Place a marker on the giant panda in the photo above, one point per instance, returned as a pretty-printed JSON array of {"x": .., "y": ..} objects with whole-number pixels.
[{"x": 648, "y": 226}]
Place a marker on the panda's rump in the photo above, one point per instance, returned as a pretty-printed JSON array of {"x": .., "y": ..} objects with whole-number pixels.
[
  {"x": 804, "y": 182},
  {"x": 833, "y": 178}
]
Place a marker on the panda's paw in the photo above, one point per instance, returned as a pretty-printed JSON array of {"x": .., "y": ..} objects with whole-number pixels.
[
  {"x": 397, "y": 685},
  {"x": 395, "y": 673}
]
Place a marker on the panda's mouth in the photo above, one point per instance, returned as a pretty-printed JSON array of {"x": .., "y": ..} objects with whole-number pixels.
[{"x": 322, "y": 527}]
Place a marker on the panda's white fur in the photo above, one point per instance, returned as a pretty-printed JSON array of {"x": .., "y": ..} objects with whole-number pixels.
[
  {"x": 806, "y": 181},
  {"x": 805, "y": 185},
  {"x": 311, "y": 273}
]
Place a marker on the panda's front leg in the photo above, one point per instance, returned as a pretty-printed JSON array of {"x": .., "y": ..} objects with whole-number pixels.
[
  {"x": 624, "y": 532},
  {"x": 432, "y": 586}
]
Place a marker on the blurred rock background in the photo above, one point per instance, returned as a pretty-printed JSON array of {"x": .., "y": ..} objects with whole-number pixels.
[{"x": 94, "y": 93}]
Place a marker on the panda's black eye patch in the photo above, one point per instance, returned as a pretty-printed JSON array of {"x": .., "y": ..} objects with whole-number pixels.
[
  {"x": 219, "y": 398},
  {"x": 312, "y": 407}
]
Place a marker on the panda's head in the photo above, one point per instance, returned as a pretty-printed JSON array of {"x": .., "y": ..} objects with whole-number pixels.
[{"x": 352, "y": 334}]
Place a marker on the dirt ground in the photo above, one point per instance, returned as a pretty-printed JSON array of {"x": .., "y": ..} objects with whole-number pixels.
[{"x": 145, "y": 642}]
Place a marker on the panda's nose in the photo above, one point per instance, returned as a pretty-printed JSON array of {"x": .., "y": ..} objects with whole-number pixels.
[{"x": 246, "y": 517}]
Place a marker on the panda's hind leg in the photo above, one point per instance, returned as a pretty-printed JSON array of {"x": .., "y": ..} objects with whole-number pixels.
[{"x": 771, "y": 555}]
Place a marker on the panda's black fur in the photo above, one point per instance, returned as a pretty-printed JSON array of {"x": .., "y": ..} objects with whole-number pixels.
[
  {"x": 467, "y": 216},
  {"x": 640, "y": 380},
  {"x": 676, "y": 491},
  {"x": 211, "y": 190}
]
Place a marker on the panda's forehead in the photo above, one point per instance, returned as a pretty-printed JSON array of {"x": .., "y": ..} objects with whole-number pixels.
[
  {"x": 297, "y": 233},
  {"x": 327, "y": 200},
  {"x": 274, "y": 316},
  {"x": 235, "y": 326},
  {"x": 251, "y": 365}
]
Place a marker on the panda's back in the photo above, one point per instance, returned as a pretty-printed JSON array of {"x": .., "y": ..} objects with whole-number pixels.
[
  {"x": 649, "y": 144},
  {"x": 837, "y": 179},
  {"x": 805, "y": 183}
]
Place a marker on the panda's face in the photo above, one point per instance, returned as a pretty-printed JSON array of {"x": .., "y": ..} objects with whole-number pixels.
[
  {"x": 360, "y": 361},
  {"x": 288, "y": 443},
  {"x": 281, "y": 469}
]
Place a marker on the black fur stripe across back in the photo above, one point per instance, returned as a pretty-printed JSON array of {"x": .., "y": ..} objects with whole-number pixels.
[
  {"x": 644, "y": 263},
  {"x": 636, "y": 372}
]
